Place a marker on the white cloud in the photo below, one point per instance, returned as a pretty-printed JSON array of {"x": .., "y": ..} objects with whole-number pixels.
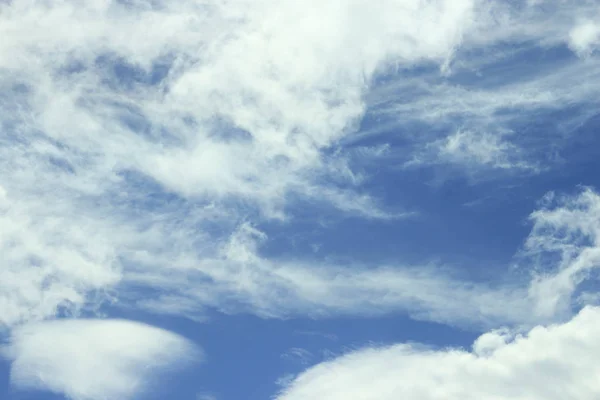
[
  {"x": 584, "y": 38},
  {"x": 483, "y": 148},
  {"x": 239, "y": 278},
  {"x": 51, "y": 261},
  {"x": 554, "y": 362},
  {"x": 285, "y": 380},
  {"x": 489, "y": 342},
  {"x": 140, "y": 141},
  {"x": 474, "y": 149},
  {"x": 546, "y": 287},
  {"x": 110, "y": 165},
  {"x": 116, "y": 180},
  {"x": 564, "y": 248},
  {"x": 507, "y": 74},
  {"x": 93, "y": 359}
]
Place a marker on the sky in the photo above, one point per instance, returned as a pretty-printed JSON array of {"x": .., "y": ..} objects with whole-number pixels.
[{"x": 299, "y": 200}]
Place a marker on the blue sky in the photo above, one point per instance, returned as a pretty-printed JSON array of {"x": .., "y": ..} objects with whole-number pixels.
[{"x": 260, "y": 199}]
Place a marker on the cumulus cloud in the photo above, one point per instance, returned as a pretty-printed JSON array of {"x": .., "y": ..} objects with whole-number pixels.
[
  {"x": 93, "y": 359},
  {"x": 500, "y": 366}
]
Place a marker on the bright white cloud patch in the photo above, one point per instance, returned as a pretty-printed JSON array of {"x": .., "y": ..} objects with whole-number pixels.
[
  {"x": 585, "y": 37},
  {"x": 93, "y": 359},
  {"x": 548, "y": 363}
]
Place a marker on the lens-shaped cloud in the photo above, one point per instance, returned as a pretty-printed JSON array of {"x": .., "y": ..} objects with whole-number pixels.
[{"x": 94, "y": 359}]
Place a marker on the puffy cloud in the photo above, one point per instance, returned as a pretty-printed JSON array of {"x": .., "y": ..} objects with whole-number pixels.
[
  {"x": 93, "y": 359},
  {"x": 548, "y": 362}
]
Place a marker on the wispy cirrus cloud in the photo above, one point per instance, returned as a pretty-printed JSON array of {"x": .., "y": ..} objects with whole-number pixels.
[
  {"x": 297, "y": 355},
  {"x": 125, "y": 148},
  {"x": 556, "y": 258},
  {"x": 478, "y": 150},
  {"x": 563, "y": 248},
  {"x": 516, "y": 72}
]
